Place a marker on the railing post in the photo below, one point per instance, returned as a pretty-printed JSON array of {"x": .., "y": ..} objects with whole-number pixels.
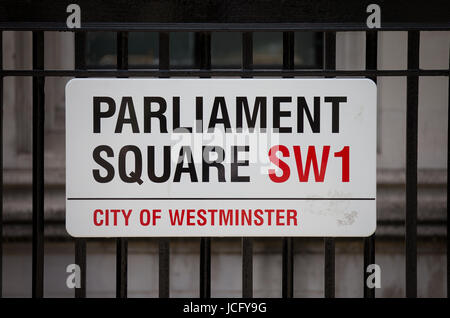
[
  {"x": 287, "y": 289},
  {"x": 1, "y": 165},
  {"x": 247, "y": 242},
  {"x": 330, "y": 64},
  {"x": 203, "y": 50},
  {"x": 122, "y": 243},
  {"x": 80, "y": 243},
  {"x": 369, "y": 242},
  {"x": 38, "y": 167},
  {"x": 164, "y": 243},
  {"x": 412, "y": 106}
]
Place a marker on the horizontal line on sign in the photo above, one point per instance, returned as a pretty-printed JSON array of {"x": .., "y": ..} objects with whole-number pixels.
[{"x": 237, "y": 199}]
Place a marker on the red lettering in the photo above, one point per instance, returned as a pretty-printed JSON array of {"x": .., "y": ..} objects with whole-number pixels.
[
  {"x": 269, "y": 216},
  {"x": 258, "y": 216},
  {"x": 345, "y": 155},
  {"x": 280, "y": 217},
  {"x": 303, "y": 176},
  {"x": 96, "y": 222},
  {"x": 115, "y": 216},
  {"x": 201, "y": 215},
  {"x": 246, "y": 217},
  {"x": 279, "y": 163},
  {"x": 156, "y": 215},
  {"x": 175, "y": 217},
  {"x": 292, "y": 215},
  {"x": 212, "y": 212},
  {"x": 144, "y": 217},
  {"x": 126, "y": 216},
  {"x": 190, "y": 217},
  {"x": 225, "y": 219}
]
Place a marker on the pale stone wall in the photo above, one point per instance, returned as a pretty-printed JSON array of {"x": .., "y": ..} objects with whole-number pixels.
[{"x": 226, "y": 268}]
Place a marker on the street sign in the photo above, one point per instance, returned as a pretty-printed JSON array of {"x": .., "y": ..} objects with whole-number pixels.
[{"x": 220, "y": 157}]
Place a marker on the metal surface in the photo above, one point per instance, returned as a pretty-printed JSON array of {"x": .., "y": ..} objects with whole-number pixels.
[
  {"x": 205, "y": 267},
  {"x": 80, "y": 244},
  {"x": 329, "y": 63},
  {"x": 369, "y": 242},
  {"x": 164, "y": 243},
  {"x": 217, "y": 15},
  {"x": 247, "y": 243},
  {"x": 448, "y": 186},
  {"x": 1, "y": 166},
  {"x": 287, "y": 287},
  {"x": 203, "y": 60},
  {"x": 164, "y": 268},
  {"x": 223, "y": 72},
  {"x": 247, "y": 267},
  {"x": 122, "y": 243},
  {"x": 38, "y": 168},
  {"x": 412, "y": 109}
]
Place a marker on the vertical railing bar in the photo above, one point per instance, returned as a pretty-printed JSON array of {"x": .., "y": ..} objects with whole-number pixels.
[
  {"x": 205, "y": 267},
  {"x": 247, "y": 267},
  {"x": 448, "y": 185},
  {"x": 330, "y": 63},
  {"x": 411, "y": 165},
  {"x": 164, "y": 267},
  {"x": 80, "y": 243},
  {"x": 38, "y": 167},
  {"x": 164, "y": 243},
  {"x": 288, "y": 50},
  {"x": 1, "y": 166},
  {"x": 369, "y": 258},
  {"x": 247, "y": 242},
  {"x": 121, "y": 242},
  {"x": 287, "y": 286},
  {"x": 164, "y": 50},
  {"x": 203, "y": 50},
  {"x": 319, "y": 48},
  {"x": 121, "y": 267},
  {"x": 369, "y": 242},
  {"x": 247, "y": 50},
  {"x": 288, "y": 268},
  {"x": 329, "y": 267}
]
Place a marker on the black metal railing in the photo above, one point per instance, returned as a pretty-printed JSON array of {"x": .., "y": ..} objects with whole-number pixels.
[{"x": 328, "y": 25}]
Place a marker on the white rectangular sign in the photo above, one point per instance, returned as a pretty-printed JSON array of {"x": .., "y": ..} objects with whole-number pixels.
[{"x": 220, "y": 157}]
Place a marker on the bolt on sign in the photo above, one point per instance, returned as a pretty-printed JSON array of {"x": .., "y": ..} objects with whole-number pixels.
[{"x": 220, "y": 157}]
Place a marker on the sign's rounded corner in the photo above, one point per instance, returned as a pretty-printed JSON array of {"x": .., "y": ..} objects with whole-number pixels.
[
  {"x": 372, "y": 231},
  {"x": 70, "y": 83},
  {"x": 69, "y": 231},
  {"x": 372, "y": 82}
]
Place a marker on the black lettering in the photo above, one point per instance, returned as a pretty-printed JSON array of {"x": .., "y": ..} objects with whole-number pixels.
[
  {"x": 302, "y": 107},
  {"x": 235, "y": 164},
  {"x": 96, "y": 154},
  {"x": 151, "y": 164},
  {"x": 176, "y": 117},
  {"x": 99, "y": 114},
  {"x": 335, "y": 101},
  {"x": 214, "y": 120},
  {"x": 277, "y": 113},
  {"x": 134, "y": 176},
  {"x": 260, "y": 104},
  {"x": 149, "y": 114},
  {"x": 207, "y": 163},
  {"x": 127, "y": 102},
  {"x": 185, "y": 151},
  {"x": 199, "y": 114}
]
